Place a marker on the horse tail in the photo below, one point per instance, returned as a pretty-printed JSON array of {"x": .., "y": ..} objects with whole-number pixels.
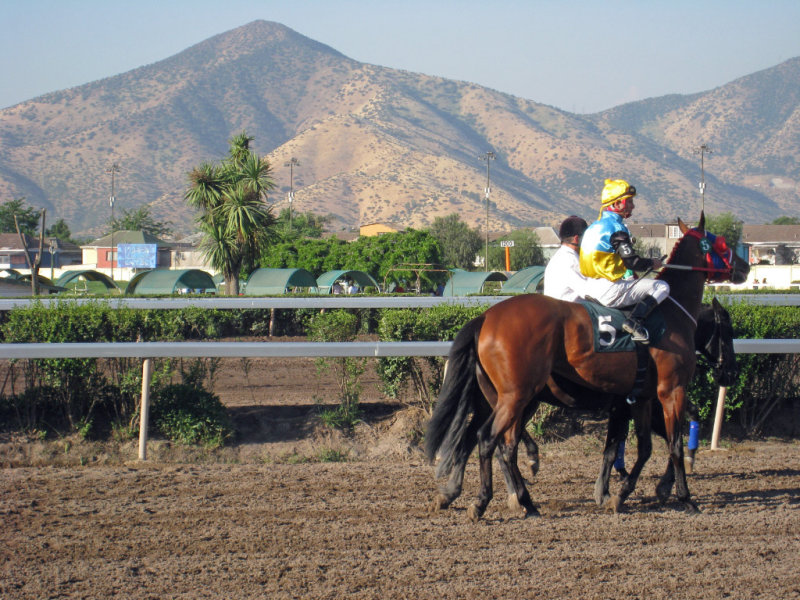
[{"x": 450, "y": 432}]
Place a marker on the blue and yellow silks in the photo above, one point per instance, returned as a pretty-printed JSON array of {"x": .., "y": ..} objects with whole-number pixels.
[{"x": 597, "y": 256}]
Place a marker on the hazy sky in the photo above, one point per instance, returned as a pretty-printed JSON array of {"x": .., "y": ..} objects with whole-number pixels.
[{"x": 579, "y": 56}]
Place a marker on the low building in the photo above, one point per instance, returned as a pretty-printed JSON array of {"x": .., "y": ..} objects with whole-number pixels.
[
  {"x": 772, "y": 244},
  {"x": 56, "y": 253},
  {"x": 102, "y": 254},
  {"x": 379, "y": 229}
]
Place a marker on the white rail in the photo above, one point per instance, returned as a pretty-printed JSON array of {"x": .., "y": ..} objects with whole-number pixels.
[
  {"x": 288, "y": 349},
  {"x": 149, "y": 350}
]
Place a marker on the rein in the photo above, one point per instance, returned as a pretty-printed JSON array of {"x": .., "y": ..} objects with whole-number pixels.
[
  {"x": 686, "y": 312},
  {"x": 703, "y": 269}
]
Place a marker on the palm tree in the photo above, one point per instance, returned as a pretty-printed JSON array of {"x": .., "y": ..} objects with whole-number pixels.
[{"x": 233, "y": 215}]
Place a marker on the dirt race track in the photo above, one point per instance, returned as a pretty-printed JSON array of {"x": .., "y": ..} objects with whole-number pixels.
[{"x": 256, "y": 527}]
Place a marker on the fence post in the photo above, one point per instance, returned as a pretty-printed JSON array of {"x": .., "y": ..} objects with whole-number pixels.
[
  {"x": 718, "y": 417},
  {"x": 144, "y": 417}
]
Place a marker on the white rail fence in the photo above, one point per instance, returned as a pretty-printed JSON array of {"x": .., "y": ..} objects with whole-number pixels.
[
  {"x": 150, "y": 350},
  {"x": 147, "y": 351}
]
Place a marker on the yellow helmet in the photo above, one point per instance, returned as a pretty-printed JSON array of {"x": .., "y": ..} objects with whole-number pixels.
[{"x": 616, "y": 189}]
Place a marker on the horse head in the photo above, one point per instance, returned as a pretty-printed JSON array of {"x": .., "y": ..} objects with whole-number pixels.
[
  {"x": 714, "y": 340},
  {"x": 720, "y": 263}
]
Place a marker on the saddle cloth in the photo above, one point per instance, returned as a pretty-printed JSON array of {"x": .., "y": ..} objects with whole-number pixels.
[{"x": 607, "y": 327}]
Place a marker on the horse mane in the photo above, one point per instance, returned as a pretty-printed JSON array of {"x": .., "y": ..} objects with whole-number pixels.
[{"x": 673, "y": 254}]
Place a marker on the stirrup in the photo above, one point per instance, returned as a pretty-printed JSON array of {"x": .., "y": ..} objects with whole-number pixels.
[{"x": 638, "y": 331}]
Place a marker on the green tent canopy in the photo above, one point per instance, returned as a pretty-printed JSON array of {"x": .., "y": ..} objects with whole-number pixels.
[
  {"x": 463, "y": 283},
  {"x": 266, "y": 282},
  {"x": 524, "y": 281},
  {"x": 72, "y": 277},
  {"x": 326, "y": 280},
  {"x": 169, "y": 281}
]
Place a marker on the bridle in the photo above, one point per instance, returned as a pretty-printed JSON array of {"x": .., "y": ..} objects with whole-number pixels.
[{"x": 715, "y": 251}]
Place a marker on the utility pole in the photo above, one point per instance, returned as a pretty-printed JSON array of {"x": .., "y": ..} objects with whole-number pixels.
[
  {"x": 703, "y": 149},
  {"x": 293, "y": 162},
  {"x": 488, "y": 157},
  {"x": 113, "y": 169}
]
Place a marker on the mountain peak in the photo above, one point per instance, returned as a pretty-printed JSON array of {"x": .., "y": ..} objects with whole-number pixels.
[{"x": 377, "y": 144}]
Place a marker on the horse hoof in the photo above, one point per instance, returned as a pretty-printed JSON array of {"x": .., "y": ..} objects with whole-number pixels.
[
  {"x": 474, "y": 513},
  {"x": 663, "y": 494},
  {"x": 602, "y": 500},
  {"x": 439, "y": 503},
  {"x": 691, "y": 507},
  {"x": 617, "y": 504},
  {"x": 534, "y": 466},
  {"x": 523, "y": 511},
  {"x": 688, "y": 465}
]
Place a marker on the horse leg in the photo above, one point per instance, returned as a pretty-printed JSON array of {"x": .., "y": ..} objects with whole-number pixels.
[
  {"x": 532, "y": 449},
  {"x": 502, "y": 422},
  {"x": 664, "y": 486},
  {"x": 519, "y": 499},
  {"x": 673, "y": 415},
  {"x": 486, "y": 445},
  {"x": 641, "y": 420},
  {"x": 681, "y": 487},
  {"x": 617, "y": 431}
]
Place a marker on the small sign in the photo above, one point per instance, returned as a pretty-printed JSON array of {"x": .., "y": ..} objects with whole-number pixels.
[{"x": 506, "y": 243}]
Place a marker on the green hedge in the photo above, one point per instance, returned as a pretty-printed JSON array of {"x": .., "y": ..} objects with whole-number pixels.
[
  {"x": 765, "y": 380},
  {"x": 94, "y": 397},
  {"x": 422, "y": 374}
]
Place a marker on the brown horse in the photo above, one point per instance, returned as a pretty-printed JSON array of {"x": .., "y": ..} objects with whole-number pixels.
[
  {"x": 517, "y": 347},
  {"x": 713, "y": 340}
]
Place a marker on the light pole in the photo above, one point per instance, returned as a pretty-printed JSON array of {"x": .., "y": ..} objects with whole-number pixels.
[
  {"x": 113, "y": 169},
  {"x": 52, "y": 252},
  {"x": 703, "y": 150},
  {"x": 293, "y": 162},
  {"x": 488, "y": 157}
]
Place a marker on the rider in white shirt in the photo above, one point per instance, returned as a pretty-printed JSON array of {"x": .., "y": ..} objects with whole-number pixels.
[{"x": 562, "y": 277}]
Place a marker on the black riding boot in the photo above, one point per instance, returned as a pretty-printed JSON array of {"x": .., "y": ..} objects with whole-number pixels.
[{"x": 634, "y": 324}]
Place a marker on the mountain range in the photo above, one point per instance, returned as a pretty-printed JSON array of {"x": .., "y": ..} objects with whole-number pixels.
[{"x": 376, "y": 144}]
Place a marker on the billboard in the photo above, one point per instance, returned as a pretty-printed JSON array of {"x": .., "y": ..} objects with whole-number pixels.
[{"x": 137, "y": 256}]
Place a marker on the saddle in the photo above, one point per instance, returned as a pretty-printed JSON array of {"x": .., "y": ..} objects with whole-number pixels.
[
  {"x": 607, "y": 327},
  {"x": 609, "y": 337}
]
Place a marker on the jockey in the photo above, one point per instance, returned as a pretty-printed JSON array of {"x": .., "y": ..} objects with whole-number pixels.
[
  {"x": 607, "y": 252},
  {"x": 562, "y": 277}
]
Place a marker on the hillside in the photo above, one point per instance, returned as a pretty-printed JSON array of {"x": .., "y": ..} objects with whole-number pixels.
[{"x": 378, "y": 144}]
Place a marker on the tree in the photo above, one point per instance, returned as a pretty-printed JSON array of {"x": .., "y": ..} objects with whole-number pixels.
[
  {"x": 304, "y": 225},
  {"x": 26, "y": 217},
  {"x": 141, "y": 220},
  {"x": 726, "y": 225},
  {"x": 786, "y": 221},
  {"x": 60, "y": 230},
  {"x": 526, "y": 252},
  {"x": 236, "y": 222},
  {"x": 459, "y": 244},
  {"x": 33, "y": 263},
  {"x": 375, "y": 255}
]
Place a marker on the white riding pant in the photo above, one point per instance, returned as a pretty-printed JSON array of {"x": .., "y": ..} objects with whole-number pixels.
[{"x": 625, "y": 292}]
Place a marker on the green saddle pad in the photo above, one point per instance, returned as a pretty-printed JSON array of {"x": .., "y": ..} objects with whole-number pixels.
[{"x": 607, "y": 328}]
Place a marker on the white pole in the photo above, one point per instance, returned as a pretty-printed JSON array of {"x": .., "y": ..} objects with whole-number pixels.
[
  {"x": 718, "y": 417},
  {"x": 147, "y": 372}
]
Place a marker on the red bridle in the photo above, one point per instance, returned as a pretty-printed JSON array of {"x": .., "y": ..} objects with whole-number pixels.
[{"x": 713, "y": 247}]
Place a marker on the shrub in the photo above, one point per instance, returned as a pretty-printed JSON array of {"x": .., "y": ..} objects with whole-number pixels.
[
  {"x": 340, "y": 326},
  {"x": 765, "y": 380},
  {"x": 424, "y": 373},
  {"x": 191, "y": 415}
]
